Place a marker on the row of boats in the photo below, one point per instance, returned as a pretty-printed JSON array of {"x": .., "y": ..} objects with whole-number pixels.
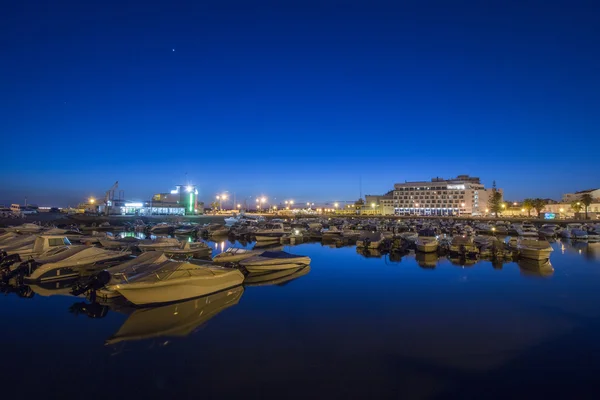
[{"x": 154, "y": 276}]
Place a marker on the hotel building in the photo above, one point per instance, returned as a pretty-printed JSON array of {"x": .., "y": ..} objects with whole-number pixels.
[{"x": 463, "y": 195}]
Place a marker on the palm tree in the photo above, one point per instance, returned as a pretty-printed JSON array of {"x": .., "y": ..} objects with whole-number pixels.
[
  {"x": 539, "y": 205},
  {"x": 586, "y": 199},
  {"x": 576, "y": 206},
  {"x": 528, "y": 205}
]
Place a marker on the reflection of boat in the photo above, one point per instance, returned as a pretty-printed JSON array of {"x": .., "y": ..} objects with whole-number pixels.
[
  {"x": 61, "y": 288},
  {"x": 369, "y": 253},
  {"x": 540, "y": 268},
  {"x": 463, "y": 261},
  {"x": 176, "y": 281},
  {"x": 177, "y": 319},
  {"x": 274, "y": 260},
  {"x": 275, "y": 277},
  {"x": 234, "y": 254},
  {"x": 426, "y": 260},
  {"x": 534, "y": 249}
]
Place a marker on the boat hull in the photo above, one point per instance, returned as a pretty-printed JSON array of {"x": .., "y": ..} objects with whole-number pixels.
[
  {"x": 145, "y": 294},
  {"x": 427, "y": 246}
]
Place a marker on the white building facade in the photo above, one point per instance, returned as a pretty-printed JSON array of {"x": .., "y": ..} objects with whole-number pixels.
[
  {"x": 463, "y": 195},
  {"x": 571, "y": 197}
]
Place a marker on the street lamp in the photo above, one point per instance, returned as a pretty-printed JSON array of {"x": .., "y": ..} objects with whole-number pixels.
[{"x": 92, "y": 200}]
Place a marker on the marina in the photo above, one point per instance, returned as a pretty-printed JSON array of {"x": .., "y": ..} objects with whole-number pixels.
[{"x": 386, "y": 315}]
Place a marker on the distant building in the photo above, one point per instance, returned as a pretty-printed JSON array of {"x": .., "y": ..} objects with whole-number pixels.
[
  {"x": 182, "y": 196},
  {"x": 463, "y": 195},
  {"x": 183, "y": 200},
  {"x": 378, "y": 204},
  {"x": 571, "y": 197}
]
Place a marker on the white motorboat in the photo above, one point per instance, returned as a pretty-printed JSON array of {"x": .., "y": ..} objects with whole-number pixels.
[
  {"x": 234, "y": 254},
  {"x": 534, "y": 249},
  {"x": 176, "y": 281},
  {"x": 331, "y": 233},
  {"x": 370, "y": 240},
  {"x": 36, "y": 245},
  {"x": 25, "y": 228},
  {"x": 143, "y": 264},
  {"x": 216, "y": 230},
  {"x": 427, "y": 241},
  {"x": 280, "y": 277},
  {"x": 274, "y": 260},
  {"x": 272, "y": 231},
  {"x": 463, "y": 245},
  {"x": 549, "y": 230},
  {"x": 177, "y": 319},
  {"x": 158, "y": 244},
  {"x": 68, "y": 262},
  {"x": 410, "y": 237},
  {"x": 162, "y": 228},
  {"x": 188, "y": 249}
]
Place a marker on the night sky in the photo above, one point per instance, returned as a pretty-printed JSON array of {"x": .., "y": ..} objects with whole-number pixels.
[{"x": 296, "y": 100}]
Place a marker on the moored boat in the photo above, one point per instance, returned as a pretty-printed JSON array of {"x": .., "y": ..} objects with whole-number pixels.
[
  {"x": 177, "y": 281},
  {"x": 274, "y": 260}
]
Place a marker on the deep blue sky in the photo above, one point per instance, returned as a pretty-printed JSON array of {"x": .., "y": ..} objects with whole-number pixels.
[{"x": 296, "y": 99}]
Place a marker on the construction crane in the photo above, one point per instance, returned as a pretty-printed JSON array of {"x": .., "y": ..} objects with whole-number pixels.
[{"x": 110, "y": 195}]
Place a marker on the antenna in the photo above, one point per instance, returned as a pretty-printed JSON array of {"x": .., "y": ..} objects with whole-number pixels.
[{"x": 360, "y": 185}]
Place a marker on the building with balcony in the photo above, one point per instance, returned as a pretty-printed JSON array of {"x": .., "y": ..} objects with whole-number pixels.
[{"x": 463, "y": 195}]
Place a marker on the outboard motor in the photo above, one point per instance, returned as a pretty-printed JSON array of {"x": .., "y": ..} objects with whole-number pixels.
[
  {"x": 5, "y": 264},
  {"x": 94, "y": 283},
  {"x": 24, "y": 269}
]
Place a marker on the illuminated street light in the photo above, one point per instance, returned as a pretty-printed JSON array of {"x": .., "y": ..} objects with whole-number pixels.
[
  {"x": 503, "y": 205},
  {"x": 239, "y": 206},
  {"x": 336, "y": 205},
  {"x": 515, "y": 203},
  {"x": 92, "y": 200}
]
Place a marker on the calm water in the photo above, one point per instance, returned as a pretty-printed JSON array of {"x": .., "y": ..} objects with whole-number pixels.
[{"x": 352, "y": 327}]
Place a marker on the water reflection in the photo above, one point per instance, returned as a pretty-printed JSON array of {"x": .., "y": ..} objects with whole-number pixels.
[
  {"x": 536, "y": 268},
  {"x": 175, "y": 320},
  {"x": 307, "y": 320},
  {"x": 279, "y": 278}
]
